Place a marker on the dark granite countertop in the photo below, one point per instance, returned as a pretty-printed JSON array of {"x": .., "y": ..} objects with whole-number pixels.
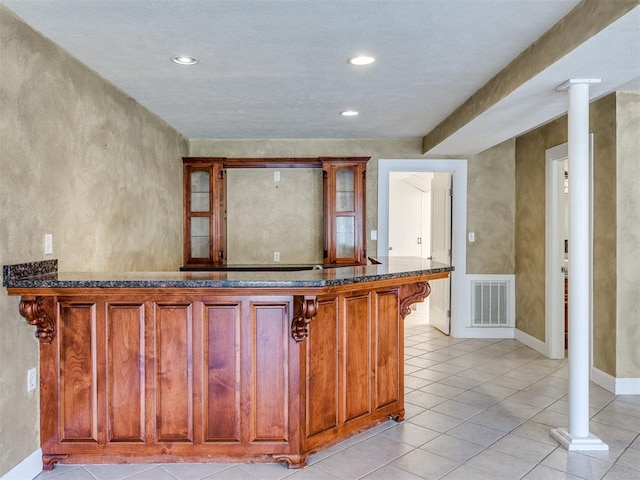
[{"x": 45, "y": 275}]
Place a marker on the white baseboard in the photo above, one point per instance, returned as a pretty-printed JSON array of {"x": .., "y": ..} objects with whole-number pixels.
[
  {"x": 531, "y": 341},
  {"x": 483, "y": 332},
  {"x": 27, "y": 469},
  {"x": 617, "y": 386}
]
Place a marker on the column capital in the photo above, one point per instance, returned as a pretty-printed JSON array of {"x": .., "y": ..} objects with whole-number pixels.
[{"x": 577, "y": 81}]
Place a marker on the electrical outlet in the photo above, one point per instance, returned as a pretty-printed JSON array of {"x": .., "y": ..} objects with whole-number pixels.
[
  {"x": 276, "y": 176},
  {"x": 276, "y": 256},
  {"x": 374, "y": 235},
  {"x": 32, "y": 379},
  {"x": 472, "y": 237},
  {"x": 48, "y": 244}
]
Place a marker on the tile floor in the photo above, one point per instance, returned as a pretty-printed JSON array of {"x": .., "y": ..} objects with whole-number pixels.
[{"x": 476, "y": 409}]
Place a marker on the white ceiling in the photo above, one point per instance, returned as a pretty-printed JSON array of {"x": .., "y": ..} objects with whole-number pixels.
[{"x": 278, "y": 68}]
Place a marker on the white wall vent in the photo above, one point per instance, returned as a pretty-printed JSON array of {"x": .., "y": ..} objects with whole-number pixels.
[{"x": 490, "y": 303}]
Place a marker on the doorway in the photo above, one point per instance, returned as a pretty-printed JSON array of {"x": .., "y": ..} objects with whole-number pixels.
[
  {"x": 420, "y": 226},
  {"x": 456, "y": 172},
  {"x": 558, "y": 183}
]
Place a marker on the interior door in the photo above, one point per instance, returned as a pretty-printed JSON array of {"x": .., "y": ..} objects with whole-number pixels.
[{"x": 440, "y": 297}]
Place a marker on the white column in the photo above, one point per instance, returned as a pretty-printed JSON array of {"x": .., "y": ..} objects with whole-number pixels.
[{"x": 577, "y": 437}]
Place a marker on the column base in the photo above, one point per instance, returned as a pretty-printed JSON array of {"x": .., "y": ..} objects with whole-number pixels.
[{"x": 572, "y": 443}]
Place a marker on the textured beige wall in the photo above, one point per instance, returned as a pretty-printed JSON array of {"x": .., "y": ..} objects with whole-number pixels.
[
  {"x": 265, "y": 216},
  {"x": 603, "y": 125},
  {"x": 491, "y": 210},
  {"x": 81, "y": 160},
  {"x": 530, "y": 228},
  {"x": 530, "y": 224},
  {"x": 628, "y": 232}
]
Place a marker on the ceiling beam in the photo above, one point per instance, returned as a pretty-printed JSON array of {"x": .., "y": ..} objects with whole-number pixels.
[{"x": 587, "y": 19}]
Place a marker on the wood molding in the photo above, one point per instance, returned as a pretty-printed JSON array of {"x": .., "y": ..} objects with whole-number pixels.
[
  {"x": 272, "y": 163},
  {"x": 293, "y": 461},
  {"x": 412, "y": 293},
  {"x": 305, "y": 308},
  {"x": 49, "y": 461},
  {"x": 39, "y": 312}
]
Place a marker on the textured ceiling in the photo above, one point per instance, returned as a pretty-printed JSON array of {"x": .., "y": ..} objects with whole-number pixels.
[{"x": 278, "y": 69}]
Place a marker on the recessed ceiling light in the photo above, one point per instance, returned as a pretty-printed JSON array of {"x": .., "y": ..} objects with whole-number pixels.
[
  {"x": 361, "y": 60},
  {"x": 185, "y": 60},
  {"x": 349, "y": 113}
]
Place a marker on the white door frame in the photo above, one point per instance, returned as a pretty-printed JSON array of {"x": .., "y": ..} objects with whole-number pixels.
[
  {"x": 460, "y": 304},
  {"x": 554, "y": 256}
]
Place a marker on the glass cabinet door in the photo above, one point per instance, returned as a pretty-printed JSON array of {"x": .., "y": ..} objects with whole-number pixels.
[
  {"x": 203, "y": 227},
  {"x": 200, "y": 244},
  {"x": 345, "y": 207},
  {"x": 200, "y": 191},
  {"x": 345, "y": 237},
  {"x": 344, "y": 188},
  {"x": 200, "y": 203}
]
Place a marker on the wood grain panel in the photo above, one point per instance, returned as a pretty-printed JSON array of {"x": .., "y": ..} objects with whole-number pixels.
[
  {"x": 387, "y": 349},
  {"x": 78, "y": 373},
  {"x": 125, "y": 372},
  {"x": 174, "y": 377},
  {"x": 270, "y": 367},
  {"x": 222, "y": 362},
  {"x": 357, "y": 357},
  {"x": 322, "y": 369}
]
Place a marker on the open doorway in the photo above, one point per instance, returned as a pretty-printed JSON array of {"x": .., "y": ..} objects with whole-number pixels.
[
  {"x": 420, "y": 226},
  {"x": 410, "y": 224},
  {"x": 456, "y": 172},
  {"x": 558, "y": 184}
]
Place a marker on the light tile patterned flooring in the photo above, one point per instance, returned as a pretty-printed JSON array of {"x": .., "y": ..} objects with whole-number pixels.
[{"x": 475, "y": 409}]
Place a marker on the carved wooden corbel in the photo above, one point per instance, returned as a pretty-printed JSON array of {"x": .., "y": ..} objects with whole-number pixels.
[
  {"x": 39, "y": 313},
  {"x": 412, "y": 293},
  {"x": 304, "y": 308},
  {"x": 49, "y": 461}
]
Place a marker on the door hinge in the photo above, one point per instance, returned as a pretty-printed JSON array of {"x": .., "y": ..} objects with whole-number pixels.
[
  {"x": 448, "y": 313},
  {"x": 221, "y": 174}
]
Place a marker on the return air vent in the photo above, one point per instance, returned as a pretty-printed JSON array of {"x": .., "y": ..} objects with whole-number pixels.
[{"x": 490, "y": 303}]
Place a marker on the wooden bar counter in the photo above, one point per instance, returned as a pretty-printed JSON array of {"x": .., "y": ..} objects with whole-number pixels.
[{"x": 216, "y": 366}]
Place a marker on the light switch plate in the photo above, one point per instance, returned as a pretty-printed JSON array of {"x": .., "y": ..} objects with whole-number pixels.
[
  {"x": 32, "y": 379},
  {"x": 48, "y": 244}
]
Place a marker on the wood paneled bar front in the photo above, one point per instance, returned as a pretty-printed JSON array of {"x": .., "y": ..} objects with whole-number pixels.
[{"x": 217, "y": 366}]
